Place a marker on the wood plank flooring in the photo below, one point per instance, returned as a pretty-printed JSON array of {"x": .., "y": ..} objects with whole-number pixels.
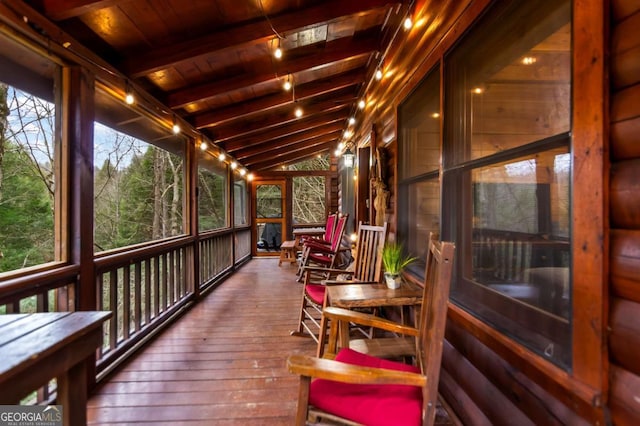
[{"x": 222, "y": 363}]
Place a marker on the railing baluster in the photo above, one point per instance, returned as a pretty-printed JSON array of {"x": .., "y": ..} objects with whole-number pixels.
[{"x": 137, "y": 304}]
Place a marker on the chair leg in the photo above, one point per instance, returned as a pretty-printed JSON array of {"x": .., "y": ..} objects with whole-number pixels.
[
  {"x": 303, "y": 401},
  {"x": 303, "y": 308}
]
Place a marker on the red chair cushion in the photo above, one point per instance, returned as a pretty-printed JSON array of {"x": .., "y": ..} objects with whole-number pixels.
[
  {"x": 319, "y": 258},
  {"x": 373, "y": 405},
  {"x": 315, "y": 293}
]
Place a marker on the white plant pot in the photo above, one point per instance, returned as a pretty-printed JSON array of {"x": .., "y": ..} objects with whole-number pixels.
[{"x": 393, "y": 281}]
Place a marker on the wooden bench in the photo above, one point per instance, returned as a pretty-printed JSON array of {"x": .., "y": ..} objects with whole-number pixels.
[
  {"x": 38, "y": 347},
  {"x": 288, "y": 252}
]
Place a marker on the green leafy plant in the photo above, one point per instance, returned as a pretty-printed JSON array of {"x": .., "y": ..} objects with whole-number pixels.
[{"x": 394, "y": 259}]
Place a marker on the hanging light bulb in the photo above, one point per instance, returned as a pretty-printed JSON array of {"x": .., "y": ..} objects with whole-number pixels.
[
  {"x": 408, "y": 23},
  {"x": 233, "y": 165},
  {"x": 176, "y": 126},
  {"x": 277, "y": 53},
  {"x": 129, "y": 98},
  {"x": 250, "y": 176},
  {"x": 243, "y": 172},
  {"x": 352, "y": 121},
  {"x": 362, "y": 104},
  {"x": 298, "y": 112},
  {"x": 379, "y": 74},
  {"x": 287, "y": 83},
  {"x": 221, "y": 157},
  {"x": 203, "y": 146}
]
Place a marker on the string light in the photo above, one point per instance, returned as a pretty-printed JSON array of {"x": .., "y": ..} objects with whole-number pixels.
[
  {"x": 277, "y": 53},
  {"x": 203, "y": 146},
  {"x": 233, "y": 165},
  {"x": 287, "y": 83},
  {"x": 408, "y": 23},
  {"x": 298, "y": 112},
  {"x": 176, "y": 126},
  {"x": 379, "y": 74},
  {"x": 362, "y": 104},
  {"x": 243, "y": 172},
  {"x": 221, "y": 157},
  {"x": 352, "y": 121},
  {"x": 250, "y": 176}
]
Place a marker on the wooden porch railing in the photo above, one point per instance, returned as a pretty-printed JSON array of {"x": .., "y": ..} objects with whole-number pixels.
[{"x": 144, "y": 287}]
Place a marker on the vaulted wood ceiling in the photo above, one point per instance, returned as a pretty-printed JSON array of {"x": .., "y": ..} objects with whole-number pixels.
[{"x": 212, "y": 63}]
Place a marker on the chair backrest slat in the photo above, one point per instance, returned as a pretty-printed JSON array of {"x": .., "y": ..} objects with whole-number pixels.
[
  {"x": 329, "y": 227},
  {"x": 433, "y": 317},
  {"x": 339, "y": 231},
  {"x": 369, "y": 245}
]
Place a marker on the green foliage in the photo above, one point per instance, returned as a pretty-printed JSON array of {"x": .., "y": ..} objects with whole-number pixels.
[
  {"x": 394, "y": 259},
  {"x": 26, "y": 213},
  {"x": 211, "y": 200}
]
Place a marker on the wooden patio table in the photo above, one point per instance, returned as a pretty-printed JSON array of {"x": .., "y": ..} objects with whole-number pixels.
[
  {"x": 35, "y": 348},
  {"x": 352, "y": 296}
]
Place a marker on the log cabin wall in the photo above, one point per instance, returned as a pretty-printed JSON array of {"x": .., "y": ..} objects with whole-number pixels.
[
  {"x": 484, "y": 379},
  {"x": 624, "y": 337}
]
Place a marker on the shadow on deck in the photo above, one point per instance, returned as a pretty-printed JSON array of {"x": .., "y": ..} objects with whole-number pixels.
[{"x": 223, "y": 362}]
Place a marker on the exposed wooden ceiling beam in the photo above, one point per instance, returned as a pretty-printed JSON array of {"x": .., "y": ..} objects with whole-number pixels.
[
  {"x": 293, "y": 157},
  {"x": 58, "y": 10},
  {"x": 280, "y": 117},
  {"x": 285, "y": 142},
  {"x": 303, "y": 92},
  {"x": 333, "y": 51},
  {"x": 301, "y": 126},
  {"x": 322, "y": 140},
  {"x": 254, "y": 32}
]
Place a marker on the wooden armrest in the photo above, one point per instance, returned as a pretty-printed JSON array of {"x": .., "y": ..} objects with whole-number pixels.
[
  {"x": 343, "y": 282},
  {"x": 361, "y": 318},
  {"x": 348, "y": 373},
  {"x": 327, "y": 270}
]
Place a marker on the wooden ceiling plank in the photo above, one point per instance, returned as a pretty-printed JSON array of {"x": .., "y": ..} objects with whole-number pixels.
[
  {"x": 293, "y": 157},
  {"x": 248, "y": 33},
  {"x": 301, "y": 126},
  {"x": 330, "y": 131},
  {"x": 334, "y": 51},
  {"x": 303, "y": 92},
  {"x": 58, "y": 10},
  {"x": 273, "y": 121},
  {"x": 259, "y": 157}
]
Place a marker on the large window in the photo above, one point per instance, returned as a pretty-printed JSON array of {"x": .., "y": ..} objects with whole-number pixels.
[
  {"x": 29, "y": 158},
  {"x": 240, "y": 202},
  {"x": 212, "y": 193},
  {"x": 419, "y": 145},
  {"x": 507, "y": 168},
  {"x": 309, "y": 192},
  {"x": 138, "y": 177}
]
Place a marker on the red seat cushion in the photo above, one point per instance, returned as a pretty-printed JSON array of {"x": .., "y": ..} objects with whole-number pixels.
[
  {"x": 318, "y": 258},
  {"x": 369, "y": 404},
  {"x": 316, "y": 292}
]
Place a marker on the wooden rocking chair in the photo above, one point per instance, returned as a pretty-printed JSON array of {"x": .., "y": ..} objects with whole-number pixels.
[
  {"x": 367, "y": 267},
  {"x": 356, "y": 388}
]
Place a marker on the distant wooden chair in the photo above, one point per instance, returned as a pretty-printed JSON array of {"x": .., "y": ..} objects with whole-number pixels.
[
  {"x": 366, "y": 267},
  {"x": 321, "y": 254},
  {"x": 307, "y": 242},
  {"x": 356, "y": 388}
]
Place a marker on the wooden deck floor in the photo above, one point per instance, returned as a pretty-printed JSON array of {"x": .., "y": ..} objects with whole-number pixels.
[{"x": 222, "y": 363}]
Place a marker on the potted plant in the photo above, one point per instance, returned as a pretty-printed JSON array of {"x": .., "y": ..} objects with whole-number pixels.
[{"x": 394, "y": 261}]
